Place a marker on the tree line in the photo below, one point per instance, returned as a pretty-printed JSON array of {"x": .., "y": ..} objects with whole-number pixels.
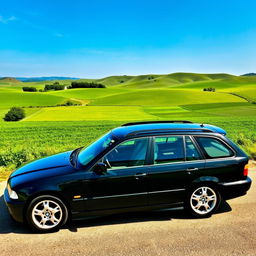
[{"x": 56, "y": 86}]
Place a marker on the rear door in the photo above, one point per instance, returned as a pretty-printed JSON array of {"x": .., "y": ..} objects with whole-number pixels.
[{"x": 176, "y": 162}]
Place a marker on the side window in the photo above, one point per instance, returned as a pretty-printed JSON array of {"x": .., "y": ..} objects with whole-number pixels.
[
  {"x": 168, "y": 149},
  {"x": 191, "y": 151},
  {"x": 127, "y": 154},
  {"x": 214, "y": 148}
]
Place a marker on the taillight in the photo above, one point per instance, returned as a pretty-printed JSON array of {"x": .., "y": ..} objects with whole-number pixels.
[{"x": 246, "y": 167}]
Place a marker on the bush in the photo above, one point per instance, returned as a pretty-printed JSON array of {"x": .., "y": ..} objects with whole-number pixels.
[
  {"x": 210, "y": 89},
  {"x": 86, "y": 85},
  {"x": 70, "y": 103},
  {"x": 55, "y": 86},
  {"x": 29, "y": 89},
  {"x": 14, "y": 114}
]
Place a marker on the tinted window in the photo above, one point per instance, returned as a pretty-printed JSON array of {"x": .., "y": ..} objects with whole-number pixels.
[
  {"x": 191, "y": 151},
  {"x": 168, "y": 149},
  {"x": 127, "y": 154},
  {"x": 214, "y": 148}
]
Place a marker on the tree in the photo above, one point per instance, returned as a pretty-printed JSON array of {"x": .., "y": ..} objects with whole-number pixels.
[
  {"x": 14, "y": 114},
  {"x": 55, "y": 86}
]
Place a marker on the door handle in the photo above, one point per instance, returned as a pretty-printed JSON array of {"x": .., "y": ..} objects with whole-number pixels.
[
  {"x": 140, "y": 175},
  {"x": 192, "y": 169}
]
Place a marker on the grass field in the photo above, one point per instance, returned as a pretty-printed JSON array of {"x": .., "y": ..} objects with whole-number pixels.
[
  {"x": 49, "y": 129},
  {"x": 90, "y": 113},
  {"x": 166, "y": 97}
]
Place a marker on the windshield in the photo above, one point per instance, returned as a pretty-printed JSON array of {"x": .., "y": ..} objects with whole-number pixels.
[{"x": 90, "y": 152}]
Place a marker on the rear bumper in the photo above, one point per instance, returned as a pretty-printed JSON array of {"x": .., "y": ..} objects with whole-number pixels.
[
  {"x": 15, "y": 207},
  {"x": 235, "y": 189}
]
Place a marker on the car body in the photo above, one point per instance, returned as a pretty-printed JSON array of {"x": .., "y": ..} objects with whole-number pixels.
[{"x": 138, "y": 166}]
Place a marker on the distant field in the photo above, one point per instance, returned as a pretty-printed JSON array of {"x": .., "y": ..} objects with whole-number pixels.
[
  {"x": 165, "y": 97},
  {"x": 83, "y": 113},
  {"x": 49, "y": 129},
  {"x": 88, "y": 94},
  {"x": 20, "y": 99}
]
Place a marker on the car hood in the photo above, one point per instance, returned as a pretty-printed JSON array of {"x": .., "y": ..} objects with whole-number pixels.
[{"x": 44, "y": 164}]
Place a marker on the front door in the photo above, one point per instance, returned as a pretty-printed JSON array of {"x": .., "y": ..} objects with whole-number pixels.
[{"x": 123, "y": 185}]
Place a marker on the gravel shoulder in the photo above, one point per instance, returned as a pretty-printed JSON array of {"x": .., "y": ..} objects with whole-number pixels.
[{"x": 231, "y": 231}]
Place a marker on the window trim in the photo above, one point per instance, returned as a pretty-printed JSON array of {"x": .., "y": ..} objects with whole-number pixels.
[{"x": 206, "y": 156}]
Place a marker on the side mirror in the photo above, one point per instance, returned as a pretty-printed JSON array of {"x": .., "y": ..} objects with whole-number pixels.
[{"x": 100, "y": 168}]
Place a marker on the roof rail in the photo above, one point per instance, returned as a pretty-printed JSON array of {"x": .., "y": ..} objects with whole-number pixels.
[
  {"x": 159, "y": 131},
  {"x": 158, "y": 122}
]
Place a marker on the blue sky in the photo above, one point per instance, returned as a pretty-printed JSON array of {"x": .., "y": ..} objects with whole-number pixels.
[{"x": 85, "y": 38}]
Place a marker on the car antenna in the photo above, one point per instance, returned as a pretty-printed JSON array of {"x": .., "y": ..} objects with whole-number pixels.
[{"x": 202, "y": 125}]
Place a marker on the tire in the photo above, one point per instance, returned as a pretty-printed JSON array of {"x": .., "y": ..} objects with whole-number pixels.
[
  {"x": 46, "y": 213},
  {"x": 203, "y": 200}
]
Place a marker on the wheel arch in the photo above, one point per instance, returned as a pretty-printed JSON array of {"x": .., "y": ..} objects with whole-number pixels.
[
  {"x": 205, "y": 179},
  {"x": 209, "y": 180}
]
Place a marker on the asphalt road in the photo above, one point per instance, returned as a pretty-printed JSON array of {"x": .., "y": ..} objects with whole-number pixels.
[{"x": 231, "y": 231}]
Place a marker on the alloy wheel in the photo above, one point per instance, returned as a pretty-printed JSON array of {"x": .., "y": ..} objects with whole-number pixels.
[
  {"x": 47, "y": 214},
  {"x": 203, "y": 200}
]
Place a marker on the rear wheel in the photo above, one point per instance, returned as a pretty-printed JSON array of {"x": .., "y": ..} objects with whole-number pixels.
[
  {"x": 46, "y": 213},
  {"x": 203, "y": 200}
]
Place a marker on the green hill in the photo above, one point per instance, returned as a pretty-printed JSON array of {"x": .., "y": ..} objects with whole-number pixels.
[
  {"x": 160, "y": 81},
  {"x": 165, "y": 97}
]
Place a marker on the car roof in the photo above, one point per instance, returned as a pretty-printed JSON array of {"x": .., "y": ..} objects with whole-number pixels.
[{"x": 164, "y": 127}]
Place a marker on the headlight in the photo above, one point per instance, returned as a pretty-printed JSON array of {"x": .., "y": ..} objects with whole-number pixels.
[{"x": 12, "y": 193}]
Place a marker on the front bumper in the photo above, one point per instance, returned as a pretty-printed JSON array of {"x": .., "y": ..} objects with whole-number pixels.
[
  {"x": 235, "y": 189},
  {"x": 15, "y": 207}
]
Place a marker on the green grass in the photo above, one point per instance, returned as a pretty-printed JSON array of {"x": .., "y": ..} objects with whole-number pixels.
[
  {"x": 178, "y": 96},
  {"x": 20, "y": 99},
  {"x": 248, "y": 92},
  {"x": 94, "y": 113},
  {"x": 165, "y": 97},
  {"x": 26, "y": 141},
  {"x": 88, "y": 94}
]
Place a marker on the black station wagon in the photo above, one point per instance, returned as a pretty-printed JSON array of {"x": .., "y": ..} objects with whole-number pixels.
[{"x": 138, "y": 166}]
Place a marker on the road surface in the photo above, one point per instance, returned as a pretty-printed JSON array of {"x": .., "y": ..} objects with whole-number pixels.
[{"x": 231, "y": 231}]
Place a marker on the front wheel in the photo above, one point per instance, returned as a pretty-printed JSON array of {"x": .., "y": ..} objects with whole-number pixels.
[
  {"x": 203, "y": 200},
  {"x": 46, "y": 213}
]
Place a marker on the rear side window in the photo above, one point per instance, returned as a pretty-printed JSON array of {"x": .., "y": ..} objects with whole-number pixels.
[
  {"x": 214, "y": 148},
  {"x": 168, "y": 149}
]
